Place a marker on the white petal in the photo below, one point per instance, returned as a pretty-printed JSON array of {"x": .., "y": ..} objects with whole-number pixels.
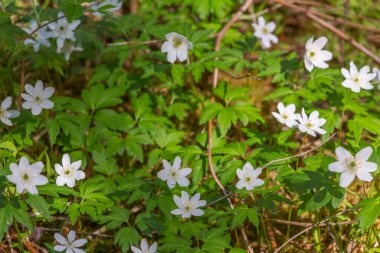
[
  {"x": 364, "y": 176},
  {"x": 336, "y": 167},
  {"x": 197, "y": 212},
  {"x": 167, "y": 46},
  {"x": 135, "y": 250},
  {"x": 144, "y": 245},
  {"x": 320, "y": 42},
  {"x": 59, "y": 248},
  {"x": 79, "y": 243},
  {"x": 182, "y": 54},
  {"x": 60, "y": 181},
  {"x": 364, "y": 154},
  {"x": 153, "y": 248},
  {"x": 369, "y": 166},
  {"x": 342, "y": 154},
  {"x": 346, "y": 179},
  {"x": 177, "y": 163},
  {"x": 60, "y": 238},
  {"x": 71, "y": 236},
  {"x": 172, "y": 56},
  {"x": 48, "y": 92},
  {"x": 163, "y": 175}
]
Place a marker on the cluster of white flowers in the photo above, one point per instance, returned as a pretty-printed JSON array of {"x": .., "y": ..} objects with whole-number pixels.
[
  {"x": 173, "y": 174},
  {"x": 61, "y": 30},
  {"x": 27, "y": 176},
  {"x": 306, "y": 124}
]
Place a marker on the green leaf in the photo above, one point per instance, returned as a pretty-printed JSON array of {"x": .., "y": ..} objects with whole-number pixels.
[
  {"x": 6, "y": 219},
  {"x": 177, "y": 73},
  {"x": 126, "y": 237},
  {"x": 224, "y": 121},
  {"x": 115, "y": 218},
  {"x": 72, "y": 9},
  {"x": 37, "y": 202},
  {"x": 210, "y": 112},
  {"x": 369, "y": 212}
]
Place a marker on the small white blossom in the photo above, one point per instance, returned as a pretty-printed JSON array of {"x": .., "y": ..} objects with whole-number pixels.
[
  {"x": 62, "y": 30},
  {"x": 70, "y": 244},
  {"x": 351, "y": 166},
  {"x": 67, "y": 48},
  {"x": 41, "y": 36},
  {"x": 286, "y": 115},
  {"x": 356, "y": 80},
  {"x": 264, "y": 32},
  {"x": 115, "y": 3},
  {"x": 173, "y": 174},
  {"x": 315, "y": 56},
  {"x": 249, "y": 177},
  {"x": 27, "y": 176},
  {"x": 68, "y": 172},
  {"x": 37, "y": 98},
  {"x": 176, "y": 47},
  {"x": 5, "y": 114},
  {"x": 188, "y": 207},
  {"x": 311, "y": 124},
  {"x": 145, "y": 247}
]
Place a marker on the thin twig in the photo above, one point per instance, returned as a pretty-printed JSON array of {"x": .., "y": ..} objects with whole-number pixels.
[
  {"x": 133, "y": 43},
  {"x": 313, "y": 226},
  {"x": 329, "y": 27},
  {"x": 222, "y": 32},
  {"x": 300, "y": 154},
  {"x": 218, "y": 42},
  {"x": 241, "y": 77},
  {"x": 308, "y": 224}
]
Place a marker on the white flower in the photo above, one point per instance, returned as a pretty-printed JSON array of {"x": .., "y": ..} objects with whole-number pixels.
[
  {"x": 187, "y": 206},
  {"x": 70, "y": 244},
  {"x": 357, "y": 79},
  {"x": 249, "y": 177},
  {"x": 5, "y": 114},
  {"x": 68, "y": 172},
  {"x": 37, "y": 98},
  {"x": 286, "y": 115},
  {"x": 62, "y": 30},
  {"x": 174, "y": 174},
  {"x": 67, "y": 48},
  {"x": 351, "y": 166},
  {"x": 264, "y": 32},
  {"x": 315, "y": 56},
  {"x": 311, "y": 124},
  {"x": 27, "y": 176},
  {"x": 176, "y": 47},
  {"x": 145, "y": 247},
  {"x": 41, "y": 36},
  {"x": 115, "y": 3}
]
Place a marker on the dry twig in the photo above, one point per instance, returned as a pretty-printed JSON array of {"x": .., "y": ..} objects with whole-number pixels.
[{"x": 329, "y": 27}]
